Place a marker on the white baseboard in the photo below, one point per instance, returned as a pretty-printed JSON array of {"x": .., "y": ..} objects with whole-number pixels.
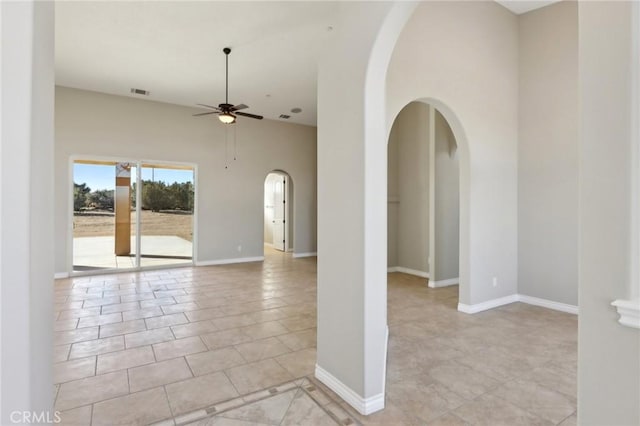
[
  {"x": 444, "y": 283},
  {"x": 489, "y": 304},
  {"x": 310, "y": 254},
  {"x": 408, "y": 271},
  {"x": 268, "y": 244},
  {"x": 229, "y": 261},
  {"x": 550, "y": 304},
  {"x": 60, "y": 275},
  {"x": 529, "y": 300},
  {"x": 364, "y": 406}
]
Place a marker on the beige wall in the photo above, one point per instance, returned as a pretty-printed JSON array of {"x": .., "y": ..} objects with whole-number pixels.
[
  {"x": 608, "y": 353},
  {"x": 410, "y": 139},
  {"x": 409, "y": 192},
  {"x": 393, "y": 197},
  {"x": 462, "y": 57},
  {"x": 446, "y": 205},
  {"x": 548, "y": 154},
  {"x": 26, "y": 197},
  {"x": 230, "y": 202},
  {"x": 413, "y": 187}
]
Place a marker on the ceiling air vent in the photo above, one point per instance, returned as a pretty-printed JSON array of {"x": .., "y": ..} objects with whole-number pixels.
[
  {"x": 285, "y": 116},
  {"x": 139, "y": 92}
]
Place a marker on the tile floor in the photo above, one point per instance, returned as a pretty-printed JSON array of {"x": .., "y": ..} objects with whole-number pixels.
[
  {"x": 299, "y": 402},
  {"x": 169, "y": 345}
]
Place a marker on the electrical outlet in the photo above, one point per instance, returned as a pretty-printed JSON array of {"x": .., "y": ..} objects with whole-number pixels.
[{"x": 495, "y": 281}]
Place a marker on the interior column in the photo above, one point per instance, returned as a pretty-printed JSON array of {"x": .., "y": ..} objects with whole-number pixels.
[{"x": 26, "y": 202}]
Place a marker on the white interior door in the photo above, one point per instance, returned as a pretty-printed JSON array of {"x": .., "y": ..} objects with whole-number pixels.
[{"x": 280, "y": 213}]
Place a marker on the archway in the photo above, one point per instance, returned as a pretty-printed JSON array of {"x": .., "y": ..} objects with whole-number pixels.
[
  {"x": 278, "y": 212},
  {"x": 443, "y": 116},
  {"x": 423, "y": 197},
  {"x": 454, "y": 71}
]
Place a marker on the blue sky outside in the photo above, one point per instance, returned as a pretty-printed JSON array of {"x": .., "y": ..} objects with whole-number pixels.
[{"x": 98, "y": 176}]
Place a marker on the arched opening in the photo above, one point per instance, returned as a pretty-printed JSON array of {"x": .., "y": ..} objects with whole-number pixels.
[
  {"x": 434, "y": 130},
  {"x": 395, "y": 76},
  {"x": 278, "y": 213},
  {"x": 423, "y": 216},
  {"x": 423, "y": 243}
]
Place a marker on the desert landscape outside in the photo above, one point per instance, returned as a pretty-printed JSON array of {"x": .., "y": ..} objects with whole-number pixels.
[{"x": 164, "y": 216}]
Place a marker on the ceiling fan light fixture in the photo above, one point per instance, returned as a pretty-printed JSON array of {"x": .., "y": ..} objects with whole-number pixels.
[
  {"x": 227, "y": 118},
  {"x": 226, "y": 109}
]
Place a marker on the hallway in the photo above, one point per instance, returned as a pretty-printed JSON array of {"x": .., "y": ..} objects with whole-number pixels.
[{"x": 192, "y": 343}]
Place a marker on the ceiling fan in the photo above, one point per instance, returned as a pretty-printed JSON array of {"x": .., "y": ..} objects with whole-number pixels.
[{"x": 227, "y": 112}]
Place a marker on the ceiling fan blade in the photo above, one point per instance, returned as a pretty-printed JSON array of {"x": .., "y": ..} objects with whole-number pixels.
[
  {"x": 209, "y": 106},
  {"x": 246, "y": 114},
  {"x": 205, "y": 113},
  {"x": 239, "y": 107}
]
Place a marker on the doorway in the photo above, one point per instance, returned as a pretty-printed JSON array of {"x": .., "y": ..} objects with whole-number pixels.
[
  {"x": 131, "y": 214},
  {"x": 423, "y": 197},
  {"x": 278, "y": 209}
]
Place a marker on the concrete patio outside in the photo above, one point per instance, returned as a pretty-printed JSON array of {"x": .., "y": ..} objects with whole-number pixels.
[{"x": 90, "y": 253}]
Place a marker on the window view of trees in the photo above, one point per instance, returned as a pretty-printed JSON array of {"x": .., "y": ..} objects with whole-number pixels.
[
  {"x": 80, "y": 196},
  {"x": 101, "y": 199},
  {"x": 156, "y": 196}
]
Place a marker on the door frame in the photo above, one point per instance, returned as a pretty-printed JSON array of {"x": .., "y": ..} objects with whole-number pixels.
[
  {"x": 289, "y": 211},
  {"x": 138, "y": 179}
]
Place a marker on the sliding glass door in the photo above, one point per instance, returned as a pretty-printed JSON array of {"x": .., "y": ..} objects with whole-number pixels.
[
  {"x": 130, "y": 214},
  {"x": 166, "y": 214}
]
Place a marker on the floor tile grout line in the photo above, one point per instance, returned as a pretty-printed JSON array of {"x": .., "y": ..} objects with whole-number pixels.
[
  {"x": 186, "y": 361},
  {"x": 118, "y": 396},
  {"x": 333, "y": 401},
  {"x": 129, "y": 381},
  {"x": 298, "y": 390},
  {"x": 55, "y": 397},
  {"x": 153, "y": 349},
  {"x": 525, "y": 409},
  {"x": 572, "y": 414},
  {"x": 166, "y": 395},
  {"x": 245, "y": 403},
  {"x": 231, "y": 381}
]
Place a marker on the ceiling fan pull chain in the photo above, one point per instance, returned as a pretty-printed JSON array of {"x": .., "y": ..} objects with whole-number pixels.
[
  {"x": 235, "y": 146},
  {"x": 226, "y": 147}
]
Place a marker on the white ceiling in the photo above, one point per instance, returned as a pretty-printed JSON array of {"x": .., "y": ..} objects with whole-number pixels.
[{"x": 174, "y": 50}]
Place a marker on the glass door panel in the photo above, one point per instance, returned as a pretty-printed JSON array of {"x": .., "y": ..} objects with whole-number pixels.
[
  {"x": 97, "y": 225},
  {"x": 166, "y": 214}
]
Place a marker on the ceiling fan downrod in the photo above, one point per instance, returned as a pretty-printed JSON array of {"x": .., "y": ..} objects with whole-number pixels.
[{"x": 226, "y": 51}]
